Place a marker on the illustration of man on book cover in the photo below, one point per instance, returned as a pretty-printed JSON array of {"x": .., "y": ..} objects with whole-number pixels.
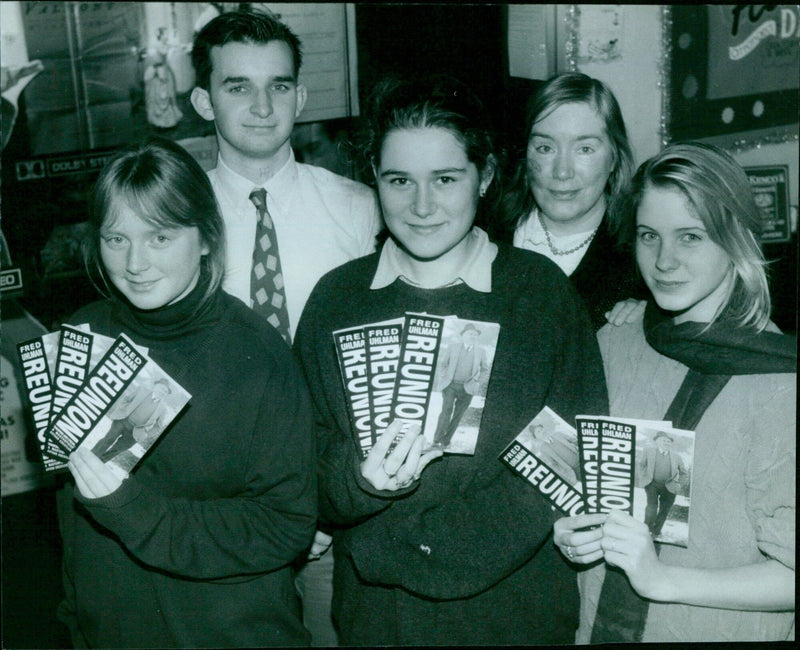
[
  {"x": 460, "y": 383},
  {"x": 556, "y": 443},
  {"x": 662, "y": 479},
  {"x": 136, "y": 419}
]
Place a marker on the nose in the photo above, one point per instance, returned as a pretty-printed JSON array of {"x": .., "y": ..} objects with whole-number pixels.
[
  {"x": 138, "y": 258},
  {"x": 262, "y": 104},
  {"x": 423, "y": 202},
  {"x": 666, "y": 259},
  {"x": 562, "y": 166}
]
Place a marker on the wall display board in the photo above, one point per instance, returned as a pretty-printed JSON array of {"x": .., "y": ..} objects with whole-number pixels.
[{"x": 733, "y": 69}]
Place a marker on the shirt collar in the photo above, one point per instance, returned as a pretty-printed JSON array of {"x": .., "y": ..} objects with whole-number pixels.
[
  {"x": 280, "y": 186},
  {"x": 476, "y": 272},
  {"x": 530, "y": 232}
]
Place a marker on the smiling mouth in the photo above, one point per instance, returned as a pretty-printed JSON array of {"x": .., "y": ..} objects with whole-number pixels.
[
  {"x": 564, "y": 194},
  {"x": 425, "y": 228},
  {"x": 139, "y": 286},
  {"x": 669, "y": 285}
]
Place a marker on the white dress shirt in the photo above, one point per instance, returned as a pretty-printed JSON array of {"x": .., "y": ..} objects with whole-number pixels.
[
  {"x": 322, "y": 220},
  {"x": 475, "y": 272}
]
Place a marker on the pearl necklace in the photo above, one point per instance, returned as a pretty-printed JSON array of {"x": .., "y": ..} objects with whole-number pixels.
[{"x": 554, "y": 250}]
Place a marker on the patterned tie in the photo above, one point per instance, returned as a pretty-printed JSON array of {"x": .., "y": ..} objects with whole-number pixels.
[{"x": 266, "y": 279}]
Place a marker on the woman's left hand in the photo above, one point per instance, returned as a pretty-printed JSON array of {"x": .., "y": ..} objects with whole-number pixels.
[
  {"x": 390, "y": 466},
  {"x": 627, "y": 544},
  {"x": 93, "y": 478},
  {"x": 579, "y": 538}
]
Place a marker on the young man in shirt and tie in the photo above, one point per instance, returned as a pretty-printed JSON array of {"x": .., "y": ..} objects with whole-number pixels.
[{"x": 287, "y": 223}]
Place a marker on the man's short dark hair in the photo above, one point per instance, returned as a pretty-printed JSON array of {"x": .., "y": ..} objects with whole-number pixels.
[{"x": 253, "y": 27}]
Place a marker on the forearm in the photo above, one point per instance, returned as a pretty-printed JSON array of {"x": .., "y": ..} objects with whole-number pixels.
[
  {"x": 458, "y": 547},
  {"x": 765, "y": 586}
]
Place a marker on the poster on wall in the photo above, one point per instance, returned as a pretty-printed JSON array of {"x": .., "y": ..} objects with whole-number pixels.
[
  {"x": 770, "y": 187},
  {"x": 733, "y": 69}
]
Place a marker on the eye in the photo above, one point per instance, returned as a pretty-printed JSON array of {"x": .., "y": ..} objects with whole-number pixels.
[
  {"x": 586, "y": 149},
  {"x": 237, "y": 90},
  {"x": 647, "y": 237},
  {"x": 446, "y": 180},
  {"x": 691, "y": 238},
  {"x": 114, "y": 241},
  {"x": 161, "y": 240},
  {"x": 543, "y": 148},
  {"x": 398, "y": 181},
  {"x": 281, "y": 88}
]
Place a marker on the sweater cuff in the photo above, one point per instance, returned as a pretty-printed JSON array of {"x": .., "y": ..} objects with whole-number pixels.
[{"x": 129, "y": 490}]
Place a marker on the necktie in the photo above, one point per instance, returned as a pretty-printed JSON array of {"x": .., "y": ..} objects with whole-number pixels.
[{"x": 266, "y": 279}]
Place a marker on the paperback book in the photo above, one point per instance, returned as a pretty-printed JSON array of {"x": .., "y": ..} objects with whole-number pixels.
[
  {"x": 106, "y": 395},
  {"x": 641, "y": 467},
  {"x": 422, "y": 368}
]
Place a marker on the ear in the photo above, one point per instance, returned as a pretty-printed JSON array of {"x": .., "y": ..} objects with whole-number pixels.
[
  {"x": 201, "y": 101},
  {"x": 302, "y": 96},
  {"x": 487, "y": 174}
]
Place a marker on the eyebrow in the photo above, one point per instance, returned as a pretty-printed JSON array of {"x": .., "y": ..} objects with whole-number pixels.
[
  {"x": 536, "y": 134},
  {"x": 435, "y": 172},
  {"x": 685, "y": 229},
  {"x": 238, "y": 80}
]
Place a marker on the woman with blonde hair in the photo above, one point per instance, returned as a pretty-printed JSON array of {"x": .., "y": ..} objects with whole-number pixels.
[{"x": 707, "y": 357}]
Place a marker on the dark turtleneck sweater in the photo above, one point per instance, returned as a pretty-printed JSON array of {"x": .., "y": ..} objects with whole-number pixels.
[{"x": 194, "y": 549}]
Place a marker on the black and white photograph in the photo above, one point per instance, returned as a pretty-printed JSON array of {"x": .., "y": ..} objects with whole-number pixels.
[{"x": 475, "y": 323}]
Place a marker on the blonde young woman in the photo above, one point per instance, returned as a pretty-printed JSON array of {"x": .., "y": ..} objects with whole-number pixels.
[{"x": 707, "y": 357}]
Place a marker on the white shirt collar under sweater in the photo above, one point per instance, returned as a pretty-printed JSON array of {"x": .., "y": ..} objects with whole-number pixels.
[
  {"x": 530, "y": 236},
  {"x": 476, "y": 272}
]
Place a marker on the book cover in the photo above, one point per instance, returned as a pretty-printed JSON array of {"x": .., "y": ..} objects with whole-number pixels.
[
  {"x": 73, "y": 362},
  {"x": 382, "y": 342},
  {"x": 38, "y": 389},
  {"x": 461, "y": 380},
  {"x": 103, "y": 386},
  {"x": 589, "y": 451},
  {"x": 352, "y": 355},
  {"x": 665, "y": 506},
  {"x": 137, "y": 418},
  {"x": 642, "y": 467},
  {"x": 545, "y": 454},
  {"x": 422, "y": 335}
]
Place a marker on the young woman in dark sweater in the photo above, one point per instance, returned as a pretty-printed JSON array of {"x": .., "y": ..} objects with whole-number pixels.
[
  {"x": 434, "y": 549},
  {"x": 194, "y": 547}
]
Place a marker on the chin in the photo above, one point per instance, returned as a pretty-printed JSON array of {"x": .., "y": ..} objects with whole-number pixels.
[{"x": 672, "y": 303}]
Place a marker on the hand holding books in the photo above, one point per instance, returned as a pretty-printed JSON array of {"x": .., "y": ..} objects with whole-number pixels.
[
  {"x": 396, "y": 459},
  {"x": 92, "y": 476},
  {"x": 628, "y": 544},
  {"x": 580, "y": 537}
]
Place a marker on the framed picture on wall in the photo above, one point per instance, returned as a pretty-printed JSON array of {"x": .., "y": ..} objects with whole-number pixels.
[
  {"x": 770, "y": 187},
  {"x": 733, "y": 69}
]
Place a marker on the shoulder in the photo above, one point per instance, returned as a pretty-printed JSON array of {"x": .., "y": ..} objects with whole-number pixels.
[
  {"x": 512, "y": 261},
  {"x": 614, "y": 339},
  {"x": 525, "y": 275},
  {"x": 330, "y": 182},
  {"x": 95, "y": 314},
  {"x": 354, "y": 275},
  {"x": 245, "y": 330}
]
